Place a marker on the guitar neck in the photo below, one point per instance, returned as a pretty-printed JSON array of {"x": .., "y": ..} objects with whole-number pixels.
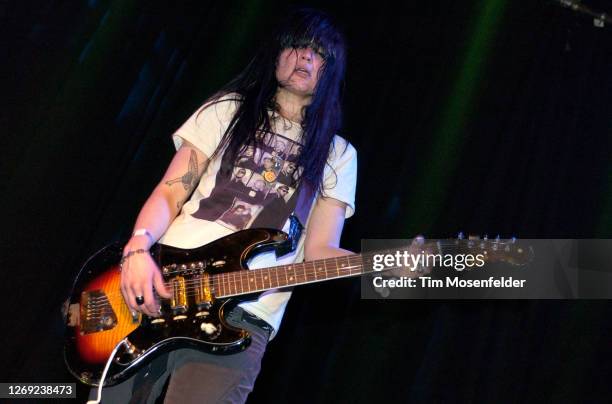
[
  {"x": 229, "y": 284},
  {"x": 244, "y": 282}
]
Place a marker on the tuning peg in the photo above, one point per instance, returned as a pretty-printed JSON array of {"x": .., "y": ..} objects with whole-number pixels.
[
  {"x": 460, "y": 236},
  {"x": 485, "y": 237}
]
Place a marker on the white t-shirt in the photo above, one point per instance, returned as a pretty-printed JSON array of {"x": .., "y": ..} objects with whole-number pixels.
[{"x": 259, "y": 192}]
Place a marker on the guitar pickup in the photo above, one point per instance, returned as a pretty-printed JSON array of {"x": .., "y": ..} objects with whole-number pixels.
[
  {"x": 203, "y": 293},
  {"x": 178, "y": 302}
]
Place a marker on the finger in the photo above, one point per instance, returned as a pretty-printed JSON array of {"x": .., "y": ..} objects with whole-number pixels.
[
  {"x": 134, "y": 292},
  {"x": 150, "y": 306},
  {"x": 158, "y": 282},
  {"x": 126, "y": 296},
  {"x": 125, "y": 289},
  {"x": 130, "y": 301}
]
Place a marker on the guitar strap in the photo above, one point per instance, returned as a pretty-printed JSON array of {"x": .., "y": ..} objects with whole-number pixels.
[
  {"x": 304, "y": 202},
  {"x": 298, "y": 218}
]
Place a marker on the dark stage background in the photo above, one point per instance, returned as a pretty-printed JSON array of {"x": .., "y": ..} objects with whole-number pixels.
[{"x": 482, "y": 116}]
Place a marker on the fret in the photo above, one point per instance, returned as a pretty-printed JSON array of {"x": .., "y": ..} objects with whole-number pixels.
[
  {"x": 337, "y": 267},
  {"x": 222, "y": 284},
  {"x": 241, "y": 286},
  {"x": 247, "y": 280},
  {"x": 325, "y": 266},
  {"x": 343, "y": 265},
  {"x": 315, "y": 270},
  {"x": 350, "y": 266},
  {"x": 300, "y": 273},
  {"x": 287, "y": 269},
  {"x": 310, "y": 273},
  {"x": 276, "y": 273},
  {"x": 359, "y": 263},
  {"x": 235, "y": 282},
  {"x": 294, "y": 278},
  {"x": 226, "y": 284},
  {"x": 297, "y": 270},
  {"x": 266, "y": 277},
  {"x": 252, "y": 281},
  {"x": 232, "y": 282},
  {"x": 262, "y": 279}
]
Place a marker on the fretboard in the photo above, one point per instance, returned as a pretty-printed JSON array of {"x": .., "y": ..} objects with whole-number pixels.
[
  {"x": 259, "y": 280},
  {"x": 243, "y": 282}
]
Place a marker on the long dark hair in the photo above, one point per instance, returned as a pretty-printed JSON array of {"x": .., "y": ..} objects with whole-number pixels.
[{"x": 256, "y": 87}]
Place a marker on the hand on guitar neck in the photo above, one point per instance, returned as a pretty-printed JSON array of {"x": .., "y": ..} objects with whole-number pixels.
[{"x": 416, "y": 248}]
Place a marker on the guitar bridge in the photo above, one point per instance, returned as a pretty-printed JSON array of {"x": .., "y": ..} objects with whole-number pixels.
[{"x": 96, "y": 312}]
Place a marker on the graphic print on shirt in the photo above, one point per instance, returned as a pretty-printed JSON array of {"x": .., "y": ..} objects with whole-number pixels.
[{"x": 260, "y": 192}]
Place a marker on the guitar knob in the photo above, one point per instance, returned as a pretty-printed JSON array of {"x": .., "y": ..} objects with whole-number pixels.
[
  {"x": 208, "y": 328},
  {"x": 485, "y": 237},
  {"x": 460, "y": 236}
]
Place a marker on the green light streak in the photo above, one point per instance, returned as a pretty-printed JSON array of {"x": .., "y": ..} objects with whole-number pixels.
[{"x": 431, "y": 188}]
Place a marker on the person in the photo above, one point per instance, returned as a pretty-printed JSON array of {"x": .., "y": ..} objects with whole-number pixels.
[{"x": 289, "y": 91}]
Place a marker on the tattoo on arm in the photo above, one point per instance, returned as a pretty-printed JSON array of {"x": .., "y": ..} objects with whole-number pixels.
[{"x": 190, "y": 178}]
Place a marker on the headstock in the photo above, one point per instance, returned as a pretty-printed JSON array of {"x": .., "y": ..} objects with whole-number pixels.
[{"x": 511, "y": 250}]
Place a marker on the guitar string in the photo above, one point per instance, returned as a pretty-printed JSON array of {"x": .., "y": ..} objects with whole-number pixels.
[
  {"x": 451, "y": 244},
  {"x": 229, "y": 284},
  {"x": 231, "y": 280},
  {"x": 223, "y": 279},
  {"x": 106, "y": 304},
  {"x": 345, "y": 272},
  {"x": 307, "y": 278}
]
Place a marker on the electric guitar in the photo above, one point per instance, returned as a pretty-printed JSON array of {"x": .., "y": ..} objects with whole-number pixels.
[{"x": 206, "y": 283}]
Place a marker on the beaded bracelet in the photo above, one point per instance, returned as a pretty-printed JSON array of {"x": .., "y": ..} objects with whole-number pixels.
[{"x": 129, "y": 254}]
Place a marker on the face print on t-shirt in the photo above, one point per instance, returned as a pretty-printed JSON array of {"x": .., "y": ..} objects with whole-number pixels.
[{"x": 261, "y": 190}]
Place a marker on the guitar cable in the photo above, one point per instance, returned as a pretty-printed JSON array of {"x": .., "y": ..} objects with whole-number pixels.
[{"x": 108, "y": 363}]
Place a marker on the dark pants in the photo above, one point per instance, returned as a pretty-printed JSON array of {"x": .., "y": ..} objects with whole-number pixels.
[{"x": 193, "y": 376}]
